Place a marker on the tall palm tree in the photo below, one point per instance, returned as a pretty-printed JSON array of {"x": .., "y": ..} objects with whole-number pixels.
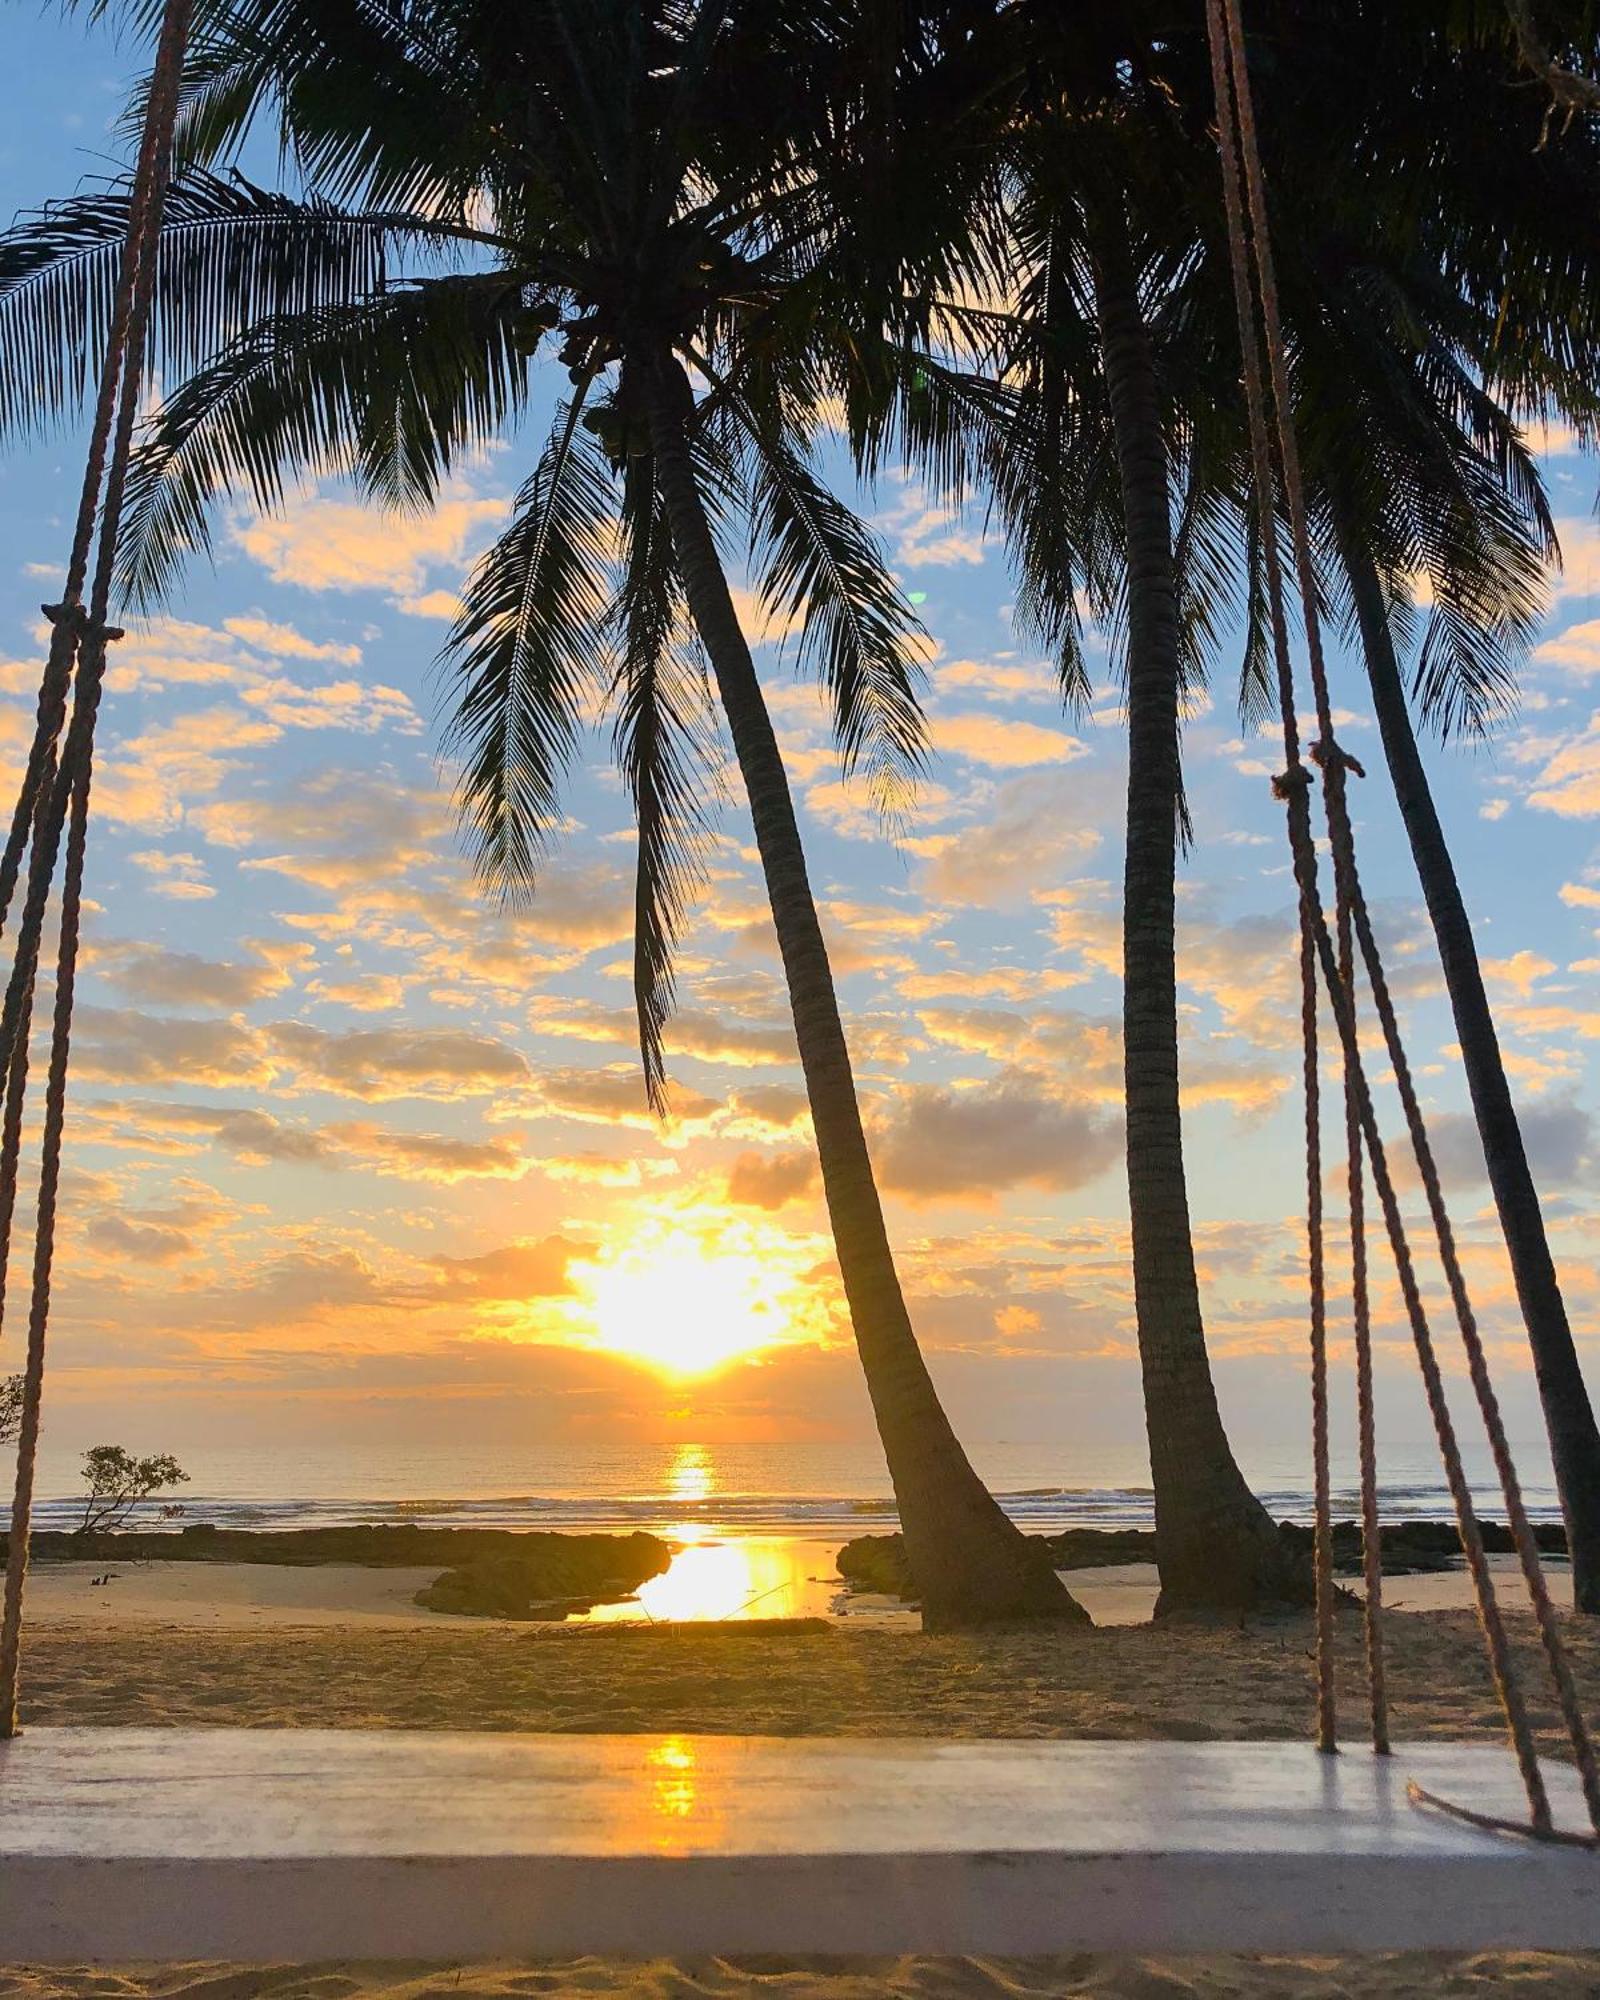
[
  {"x": 1400, "y": 308},
  {"x": 606, "y": 180},
  {"x": 1478, "y": 305},
  {"x": 1216, "y": 1543},
  {"x": 1036, "y": 373},
  {"x": 1416, "y": 334},
  {"x": 1096, "y": 467}
]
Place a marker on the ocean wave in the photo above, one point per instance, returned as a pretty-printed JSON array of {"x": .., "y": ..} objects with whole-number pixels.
[{"x": 1039, "y": 1509}]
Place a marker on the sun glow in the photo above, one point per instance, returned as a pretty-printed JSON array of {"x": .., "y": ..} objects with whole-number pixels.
[{"x": 687, "y": 1297}]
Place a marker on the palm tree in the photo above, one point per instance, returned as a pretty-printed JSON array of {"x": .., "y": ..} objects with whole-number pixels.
[
  {"x": 1476, "y": 306},
  {"x": 1569, "y": 1413},
  {"x": 588, "y": 166},
  {"x": 1400, "y": 309},
  {"x": 1085, "y": 448},
  {"x": 1216, "y": 1543},
  {"x": 1414, "y": 340},
  {"x": 1026, "y": 336}
]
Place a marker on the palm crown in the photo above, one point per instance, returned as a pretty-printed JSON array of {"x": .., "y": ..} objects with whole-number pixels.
[{"x": 489, "y": 187}]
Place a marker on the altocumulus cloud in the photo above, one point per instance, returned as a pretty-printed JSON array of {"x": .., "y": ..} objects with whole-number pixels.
[{"x": 1012, "y": 1131}]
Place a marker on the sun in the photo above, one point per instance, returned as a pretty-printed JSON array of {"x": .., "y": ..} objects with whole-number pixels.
[{"x": 686, "y": 1297}]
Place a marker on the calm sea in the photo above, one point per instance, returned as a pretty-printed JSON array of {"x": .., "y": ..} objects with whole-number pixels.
[{"x": 817, "y": 1491}]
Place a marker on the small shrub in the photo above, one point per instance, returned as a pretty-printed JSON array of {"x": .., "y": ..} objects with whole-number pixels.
[
  {"x": 10, "y": 1409},
  {"x": 117, "y": 1482}
]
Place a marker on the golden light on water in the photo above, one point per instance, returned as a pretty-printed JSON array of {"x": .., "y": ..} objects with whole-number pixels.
[
  {"x": 672, "y": 1769},
  {"x": 687, "y": 1295},
  {"x": 767, "y": 1577}
]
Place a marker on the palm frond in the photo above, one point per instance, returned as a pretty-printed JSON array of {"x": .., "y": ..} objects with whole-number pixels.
[
  {"x": 819, "y": 566},
  {"x": 231, "y": 256},
  {"x": 529, "y": 652},
  {"x": 390, "y": 391}
]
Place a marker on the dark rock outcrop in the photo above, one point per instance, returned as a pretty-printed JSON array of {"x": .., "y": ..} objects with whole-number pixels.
[
  {"x": 564, "y": 1575},
  {"x": 878, "y": 1562},
  {"x": 400, "y": 1546}
]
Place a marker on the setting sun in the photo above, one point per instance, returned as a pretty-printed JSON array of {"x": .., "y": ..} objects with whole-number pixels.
[{"x": 687, "y": 1297}]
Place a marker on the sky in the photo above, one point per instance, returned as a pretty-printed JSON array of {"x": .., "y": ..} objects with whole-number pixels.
[{"x": 354, "y": 1153}]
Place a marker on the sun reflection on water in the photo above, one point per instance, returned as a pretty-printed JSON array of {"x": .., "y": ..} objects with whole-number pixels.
[
  {"x": 717, "y": 1576},
  {"x": 690, "y": 1477},
  {"x": 672, "y": 1767}
]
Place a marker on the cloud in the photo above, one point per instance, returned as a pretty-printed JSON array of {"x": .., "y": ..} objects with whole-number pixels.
[
  {"x": 938, "y": 1142},
  {"x": 180, "y": 877},
  {"x": 1002, "y": 679},
  {"x": 604, "y": 1169},
  {"x": 1569, "y": 783},
  {"x": 266, "y": 635},
  {"x": 383, "y": 1064},
  {"x": 145, "y": 1243},
  {"x": 1003, "y": 744},
  {"x": 374, "y": 1065},
  {"x": 615, "y": 1096},
  {"x": 443, "y": 604},
  {"x": 693, "y": 1031},
  {"x": 121, "y": 1045},
  {"x": 924, "y": 532},
  {"x": 153, "y": 779},
  {"x": 357, "y": 705},
  {"x": 1576, "y": 651},
  {"x": 1579, "y": 574},
  {"x": 319, "y": 543},
  {"x": 757, "y": 1180},
  {"x": 1559, "y": 1138},
  {"x": 1520, "y": 973},
  {"x": 765, "y": 1111},
  {"x": 257, "y": 1138},
  {"x": 995, "y": 982},
  {"x": 1030, "y": 832},
  {"x": 516, "y": 1271},
  {"x": 339, "y": 826},
  {"x": 426, "y": 1156},
  {"x": 162, "y": 978}
]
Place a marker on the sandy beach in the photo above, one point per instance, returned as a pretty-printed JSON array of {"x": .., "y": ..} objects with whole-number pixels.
[{"x": 272, "y": 1648}]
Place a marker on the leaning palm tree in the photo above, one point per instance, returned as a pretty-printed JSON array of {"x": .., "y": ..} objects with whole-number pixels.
[
  {"x": 1479, "y": 305},
  {"x": 602, "y": 176}
]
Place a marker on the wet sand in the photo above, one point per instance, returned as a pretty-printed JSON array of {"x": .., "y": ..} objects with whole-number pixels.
[{"x": 768, "y": 1578}]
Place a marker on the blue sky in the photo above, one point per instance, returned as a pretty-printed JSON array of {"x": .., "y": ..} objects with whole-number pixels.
[{"x": 351, "y": 1148}]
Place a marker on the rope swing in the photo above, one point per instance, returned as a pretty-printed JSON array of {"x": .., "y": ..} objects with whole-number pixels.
[
  {"x": 55, "y": 791},
  {"x": 1260, "y": 326}
]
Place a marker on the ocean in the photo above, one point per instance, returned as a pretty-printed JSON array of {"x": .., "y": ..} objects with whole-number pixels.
[{"x": 816, "y": 1492}]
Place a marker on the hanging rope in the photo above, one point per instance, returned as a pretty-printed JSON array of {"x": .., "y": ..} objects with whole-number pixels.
[
  {"x": 1267, "y": 522},
  {"x": 55, "y": 790},
  {"x": 1366, "y": 1408},
  {"x": 1245, "y": 188}
]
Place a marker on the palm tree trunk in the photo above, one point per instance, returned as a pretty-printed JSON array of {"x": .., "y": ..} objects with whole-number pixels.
[
  {"x": 972, "y": 1565},
  {"x": 1215, "y": 1543},
  {"x": 1568, "y": 1413}
]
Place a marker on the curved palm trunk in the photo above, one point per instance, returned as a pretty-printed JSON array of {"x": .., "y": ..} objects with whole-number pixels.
[
  {"x": 1568, "y": 1413},
  {"x": 1216, "y": 1545},
  {"x": 971, "y": 1564}
]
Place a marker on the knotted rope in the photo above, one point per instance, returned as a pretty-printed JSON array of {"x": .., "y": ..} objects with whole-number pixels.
[
  {"x": 54, "y": 793},
  {"x": 1250, "y": 251}
]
